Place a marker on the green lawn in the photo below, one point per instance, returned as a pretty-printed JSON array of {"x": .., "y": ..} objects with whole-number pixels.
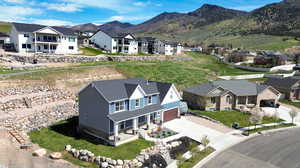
[
  {"x": 90, "y": 51},
  {"x": 229, "y": 117},
  {"x": 196, "y": 158},
  {"x": 296, "y": 104},
  {"x": 271, "y": 127},
  {"x": 57, "y": 136}
]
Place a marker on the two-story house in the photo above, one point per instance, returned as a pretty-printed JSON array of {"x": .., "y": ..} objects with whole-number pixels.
[
  {"x": 115, "y": 42},
  {"x": 168, "y": 47},
  {"x": 43, "y": 39},
  {"x": 114, "y": 110},
  {"x": 146, "y": 45}
]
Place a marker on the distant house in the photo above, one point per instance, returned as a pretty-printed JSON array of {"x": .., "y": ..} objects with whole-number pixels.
[
  {"x": 228, "y": 95},
  {"x": 115, "y": 42},
  {"x": 114, "y": 110},
  {"x": 146, "y": 45},
  {"x": 168, "y": 47},
  {"x": 240, "y": 56},
  {"x": 289, "y": 87},
  {"x": 4, "y": 38},
  {"x": 272, "y": 58},
  {"x": 43, "y": 39}
]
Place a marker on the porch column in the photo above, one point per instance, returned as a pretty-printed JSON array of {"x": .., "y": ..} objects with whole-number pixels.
[
  {"x": 135, "y": 125},
  {"x": 48, "y": 47},
  {"x": 35, "y": 46},
  {"x": 148, "y": 121},
  {"x": 247, "y": 97},
  {"x": 162, "y": 116},
  {"x": 123, "y": 41},
  {"x": 116, "y": 130}
]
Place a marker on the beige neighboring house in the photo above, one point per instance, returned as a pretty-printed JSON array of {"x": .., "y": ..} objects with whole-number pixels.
[{"x": 230, "y": 94}]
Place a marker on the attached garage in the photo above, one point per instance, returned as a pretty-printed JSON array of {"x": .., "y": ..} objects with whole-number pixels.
[{"x": 170, "y": 115}]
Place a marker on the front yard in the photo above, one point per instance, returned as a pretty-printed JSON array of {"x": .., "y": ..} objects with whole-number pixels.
[
  {"x": 295, "y": 104},
  {"x": 57, "y": 136},
  {"x": 229, "y": 117}
]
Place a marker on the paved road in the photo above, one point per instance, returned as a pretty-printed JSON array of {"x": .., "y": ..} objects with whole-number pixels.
[{"x": 275, "y": 150}]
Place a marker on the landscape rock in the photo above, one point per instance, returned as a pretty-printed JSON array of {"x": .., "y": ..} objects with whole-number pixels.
[
  {"x": 120, "y": 162},
  {"x": 68, "y": 148},
  {"x": 104, "y": 165},
  {"x": 56, "y": 155},
  {"x": 40, "y": 152}
]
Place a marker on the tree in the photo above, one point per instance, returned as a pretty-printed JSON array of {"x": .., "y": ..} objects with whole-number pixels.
[
  {"x": 255, "y": 119},
  {"x": 205, "y": 141},
  {"x": 293, "y": 115}
]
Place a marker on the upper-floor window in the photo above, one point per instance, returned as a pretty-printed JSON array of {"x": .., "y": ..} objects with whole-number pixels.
[
  {"x": 171, "y": 95},
  {"x": 71, "y": 47},
  {"x": 137, "y": 103},
  {"x": 72, "y": 39},
  {"x": 120, "y": 106},
  {"x": 150, "y": 100},
  {"x": 26, "y": 35}
]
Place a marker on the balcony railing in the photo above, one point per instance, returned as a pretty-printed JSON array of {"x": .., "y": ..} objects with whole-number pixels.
[{"x": 47, "y": 40}]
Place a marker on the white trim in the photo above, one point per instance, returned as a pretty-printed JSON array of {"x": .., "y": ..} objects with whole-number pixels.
[
  {"x": 48, "y": 27},
  {"x": 137, "y": 116},
  {"x": 176, "y": 93}
]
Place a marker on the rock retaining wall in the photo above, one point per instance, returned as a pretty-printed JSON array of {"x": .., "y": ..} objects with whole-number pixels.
[{"x": 82, "y": 59}]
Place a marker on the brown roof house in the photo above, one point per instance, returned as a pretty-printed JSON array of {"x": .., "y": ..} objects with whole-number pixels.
[
  {"x": 289, "y": 87},
  {"x": 231, "y": 94}
]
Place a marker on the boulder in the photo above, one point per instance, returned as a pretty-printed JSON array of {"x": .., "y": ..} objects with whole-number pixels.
[
  {"x": 113, "y": 162},
  {"x": 120, "y": 162},
  {"x": 40, "y": 152},
  {"x": 98, "y": 160},
  {"x": 68, "y": 148},
  {"x": 56, "y": 155},
  {"x": 104, "y": 165}
]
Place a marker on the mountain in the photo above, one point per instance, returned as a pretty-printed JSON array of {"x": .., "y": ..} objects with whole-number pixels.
[
  {"x": 281, "y": 18},
  {"x": 115, "y": 26},
  {"x": 174, "y": 22},
  {"x": 88, "y": 27}
]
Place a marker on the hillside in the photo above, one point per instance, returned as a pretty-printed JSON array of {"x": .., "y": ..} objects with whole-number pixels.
[
  {"x": 5, "y": 27},
  {"x": 178, "y": 22},
  {"x": 88, "y": 27},
  {"x": 115, "y": 26}
]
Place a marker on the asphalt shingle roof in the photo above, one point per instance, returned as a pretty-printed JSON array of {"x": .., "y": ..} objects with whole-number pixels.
[
  {"x": 113, "y": 90},
  {"x": 116, "y": 34},
  {"x": 24, "y": 27},
  {"x": 237, "y": 87},
  {"x": 285, "y": 83},
  {"x": 122, "y": 116}
]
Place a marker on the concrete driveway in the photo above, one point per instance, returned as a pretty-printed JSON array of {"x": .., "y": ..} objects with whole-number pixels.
[
  {"x": 274, "y": 150},
  {"x": 219, "y": 140},
  {"x": 283, "y": 112}
]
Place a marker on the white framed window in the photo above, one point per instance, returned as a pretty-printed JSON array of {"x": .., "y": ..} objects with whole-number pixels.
[
  {"x": 137, "y": 103},
  {"x": 171, "y": 95},
  {"x": 120, "y": 106},
  {"x": 150, "y": 100}
]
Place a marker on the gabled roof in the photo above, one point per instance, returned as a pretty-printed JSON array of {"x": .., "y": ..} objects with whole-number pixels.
[
  {"x": 146, "y": 39},
  {"x": 284, "y": 83},
  {"x": 120, "y": 89},
  {"x": 3, "y": 34},
  {"x": 24, "y": 27},
  {"x": 237, "y": 87},
  {"x": 115, "y": 34}
]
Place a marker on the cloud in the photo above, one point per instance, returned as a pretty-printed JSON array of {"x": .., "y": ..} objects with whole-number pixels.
[
  {"x": 52, "y": 22},
  {"x": 141, "y": 3},
  {"x": 246, "y": 8},
  {"x": 15, "y": 1},
  {"x": 124, "y": 18},
  {"x": 120, "y": 6},
  {"x": 62, "y": 7},
  {"x": 17, "y": 13}
]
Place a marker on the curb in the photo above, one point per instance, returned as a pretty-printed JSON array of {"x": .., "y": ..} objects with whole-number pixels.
[{"x": 214, "y": 154}]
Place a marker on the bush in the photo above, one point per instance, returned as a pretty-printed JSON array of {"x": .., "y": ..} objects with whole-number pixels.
[{"x": 235, "y": 125}]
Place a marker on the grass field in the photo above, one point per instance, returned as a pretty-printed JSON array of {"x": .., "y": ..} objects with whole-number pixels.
[
  {"x": 196, "y": 158},
  {"x": 57, "y": 136},
  {"x": 229, "y": 117},
  {"x": 271, "y": 127},
  {"x": 90, "y": 51},
  {"x": 5, "y": 27}
]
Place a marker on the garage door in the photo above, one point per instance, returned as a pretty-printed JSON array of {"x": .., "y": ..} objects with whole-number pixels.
[{"x": 170, "y": 115}]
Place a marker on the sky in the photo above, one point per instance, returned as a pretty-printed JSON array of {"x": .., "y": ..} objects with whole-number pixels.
[{"x": 72, "y": 12}]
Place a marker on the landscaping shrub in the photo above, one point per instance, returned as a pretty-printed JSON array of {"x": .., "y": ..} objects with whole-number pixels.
[{"x": 235, "y": 125}]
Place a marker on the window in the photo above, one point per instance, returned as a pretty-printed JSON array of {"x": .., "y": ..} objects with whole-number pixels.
[
  {"x": 142, "y": 119},
  {"x": 114, "y": 47},
  {"x": 120, "y": 106},
  {"x": 46, "y": 47},
  {"x": 242, "y": 99},
  {"x": 137, "y": 103},
  {"x": 213, "y": 100},
  {"x": 126, "y": 48},
  {"x": 26, "y": 35},
  {"x": 23, "y": 45},
  {"x": 150, "y": 100},
  {"x": 72, "y": 39},
  {"x": 171, "y": 95},
  {"x": 29, "y": 46},
  {"x": 71, "y": 47}
]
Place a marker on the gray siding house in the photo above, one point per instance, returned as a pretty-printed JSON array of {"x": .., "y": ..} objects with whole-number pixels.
[{"x": 114, "y": 110}]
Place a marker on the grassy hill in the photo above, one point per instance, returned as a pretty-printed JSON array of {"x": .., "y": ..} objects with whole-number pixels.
[{"x": 5, "y": 27}]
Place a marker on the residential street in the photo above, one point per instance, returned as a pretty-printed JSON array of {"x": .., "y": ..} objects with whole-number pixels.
[{"x": 274, "y": 150}]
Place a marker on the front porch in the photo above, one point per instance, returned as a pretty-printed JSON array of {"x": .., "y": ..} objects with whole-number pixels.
[{"x": 128, "y": 130}]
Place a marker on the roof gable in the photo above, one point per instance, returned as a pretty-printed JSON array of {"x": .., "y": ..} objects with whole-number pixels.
[{"x": 47, "y": 30}]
